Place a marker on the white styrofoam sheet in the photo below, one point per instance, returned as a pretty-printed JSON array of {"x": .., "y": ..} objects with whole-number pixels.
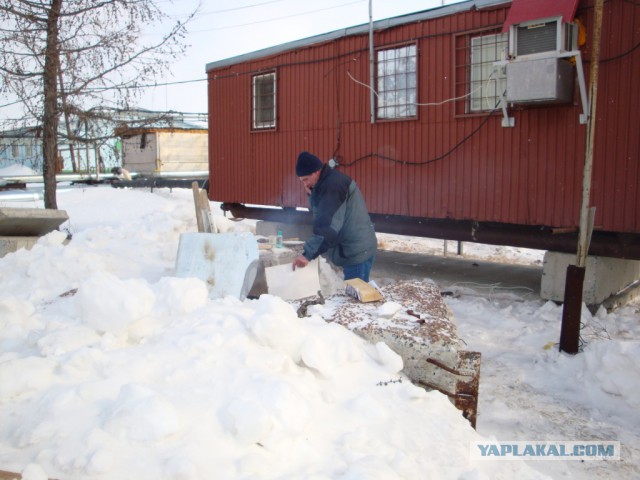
[
  {"x": 219, "y": 259},
  {"x": 290, "y": 284}
]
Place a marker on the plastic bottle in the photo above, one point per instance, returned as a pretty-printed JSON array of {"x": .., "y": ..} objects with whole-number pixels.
[{"x": 279, "y": 240}]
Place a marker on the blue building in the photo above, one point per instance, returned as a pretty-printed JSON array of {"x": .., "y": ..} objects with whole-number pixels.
[{"x": 21, "y": 146}]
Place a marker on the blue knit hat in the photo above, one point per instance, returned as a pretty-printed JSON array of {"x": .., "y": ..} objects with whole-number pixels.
[{"x": 307, "y": 164}]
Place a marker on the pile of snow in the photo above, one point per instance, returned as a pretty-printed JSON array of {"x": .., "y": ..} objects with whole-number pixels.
[
  {"x": 16, "y": 170},
  {"x": 111, "y": 367}
]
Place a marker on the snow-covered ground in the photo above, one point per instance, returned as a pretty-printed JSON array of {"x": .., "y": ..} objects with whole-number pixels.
[
  {"x": 490, "y": 253},
  {"x": 112, "y": 368}
]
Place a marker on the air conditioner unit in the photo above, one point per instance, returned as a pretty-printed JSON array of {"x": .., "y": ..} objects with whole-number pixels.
[
  {"x": 545, "y": 37},
  {"x": 537, "y": 72},
  {"x": 540, "y": 81}
]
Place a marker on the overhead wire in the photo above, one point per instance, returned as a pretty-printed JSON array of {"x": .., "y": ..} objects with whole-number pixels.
[
  {"x": 179, "y": 82},
  {"x": 242, "y": 7},
  {"x": 293, "y": 15}
]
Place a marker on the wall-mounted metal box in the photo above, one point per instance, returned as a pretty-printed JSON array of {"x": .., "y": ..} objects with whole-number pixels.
[{"x": 542, "y": 80}]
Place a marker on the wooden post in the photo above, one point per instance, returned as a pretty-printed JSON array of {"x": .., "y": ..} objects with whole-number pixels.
[
  {"x": 570, "y": 329},
  {"x": 204, "y": 217},
  {"x": 196, "y": 201},
  {"x": 205, "y": 208}
]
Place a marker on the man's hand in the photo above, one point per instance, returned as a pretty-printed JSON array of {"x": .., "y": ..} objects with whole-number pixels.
[{"x": 300, "y": 261}]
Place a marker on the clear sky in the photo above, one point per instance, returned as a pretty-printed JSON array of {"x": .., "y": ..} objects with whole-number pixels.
[{"x": 225, "y": 28}]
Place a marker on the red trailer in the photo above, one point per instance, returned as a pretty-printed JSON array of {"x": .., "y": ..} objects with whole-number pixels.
[{"x": 471, "y": 127}]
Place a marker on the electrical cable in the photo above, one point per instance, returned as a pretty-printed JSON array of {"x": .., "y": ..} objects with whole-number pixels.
[
  {"x": 152, "y": 85},
  {"x": 424, "y": 162},
  {"x": 275, "y": 19},
  {"x": 235, "y": 9},
  {"x": 180, "y": 82},
  {"x": 617, "y": 57},
  {"x": 434, "y": 104}
]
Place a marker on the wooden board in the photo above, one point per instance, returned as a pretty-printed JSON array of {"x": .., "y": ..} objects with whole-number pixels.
[{"x": 358, "y": 288}]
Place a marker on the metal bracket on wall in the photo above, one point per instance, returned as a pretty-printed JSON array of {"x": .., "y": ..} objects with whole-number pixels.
[
  {"x": 584, "y": 116},
  {"x": 507, "y": 121}
]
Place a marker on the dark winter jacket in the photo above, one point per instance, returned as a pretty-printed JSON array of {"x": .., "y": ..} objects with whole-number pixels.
[{"x": 341, "y": 223}]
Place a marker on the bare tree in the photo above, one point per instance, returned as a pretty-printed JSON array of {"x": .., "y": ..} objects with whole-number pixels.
[{"x": 78, "y": 56}]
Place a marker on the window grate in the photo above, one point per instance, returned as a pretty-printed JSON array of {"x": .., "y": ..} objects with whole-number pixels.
[
  {"x": 479, "y": 83},
  {"x": 397, "y": 82},
  {"x": 264, "y": 101}
]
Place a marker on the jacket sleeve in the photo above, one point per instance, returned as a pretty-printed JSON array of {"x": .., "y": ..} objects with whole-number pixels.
[{"x": 328, "y": 219}]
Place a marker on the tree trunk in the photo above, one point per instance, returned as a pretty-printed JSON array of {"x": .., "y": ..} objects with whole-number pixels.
[{"x": 51, "y": 113}]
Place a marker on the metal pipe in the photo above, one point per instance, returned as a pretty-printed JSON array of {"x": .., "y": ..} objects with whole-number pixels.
[
  {"x": 78, "y": 177},
  {"x": 194, "y": 174},
  {"x": 372, "y": 99},
  {"x": 20, "y": 196},
  {"x": 572, "y": 310},
  {"x": 606, "y": 244}
]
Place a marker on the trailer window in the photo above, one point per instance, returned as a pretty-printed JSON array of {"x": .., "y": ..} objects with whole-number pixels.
[
  {"x": 488, "y": 82},
  {"x": 397, "y": 72},
  {"x": 264, "y": 101},
  {"x": 479, "y": 84}
]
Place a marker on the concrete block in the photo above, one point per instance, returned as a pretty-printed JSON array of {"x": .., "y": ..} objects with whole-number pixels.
[
  {"x": 30, "y": 221},
  {"x": 604, "y": 276},
  {"x": 12, "y": 244},
  {"x": 422, "y": 332}
]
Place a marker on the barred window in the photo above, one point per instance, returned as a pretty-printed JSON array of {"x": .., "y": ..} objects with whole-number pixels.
[
  {"x": 397, "y": 80},
  {"x": 264, "y": 101},
  {"x": 479, "y": 83}
]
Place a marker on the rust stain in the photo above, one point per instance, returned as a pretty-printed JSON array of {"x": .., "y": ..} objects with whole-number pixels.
[{"x": 209, "y": 252}]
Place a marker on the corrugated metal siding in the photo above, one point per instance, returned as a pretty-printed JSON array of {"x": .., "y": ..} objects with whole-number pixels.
[
  {"x": 530, "y": 174},
  {"x": 616, "y": 187}
]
